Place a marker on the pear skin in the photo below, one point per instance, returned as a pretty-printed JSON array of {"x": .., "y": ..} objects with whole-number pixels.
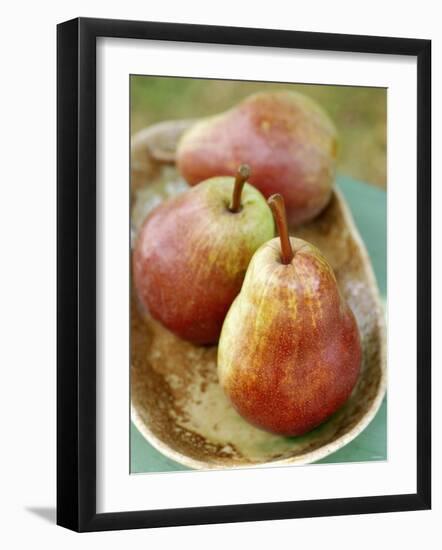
[
  {"x": 192, "y": 253},
  {"x": 289, "y": 353},
  {"x": 287, "y": 138}
]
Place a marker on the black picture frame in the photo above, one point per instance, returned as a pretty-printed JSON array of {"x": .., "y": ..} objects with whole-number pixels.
[{"x": 76, "y": 273}]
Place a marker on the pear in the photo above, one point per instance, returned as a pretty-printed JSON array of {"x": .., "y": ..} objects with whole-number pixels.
[
  {"x": 287, "y": 138},
  {"x": 192, "y": 253},
  {"x": 289, "y": 353}
]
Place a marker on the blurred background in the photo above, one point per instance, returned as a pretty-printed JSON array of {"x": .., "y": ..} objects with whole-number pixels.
[{"x": 360, "y": 114}]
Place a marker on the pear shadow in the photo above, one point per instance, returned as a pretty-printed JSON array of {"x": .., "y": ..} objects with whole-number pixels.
[{"x": 46, "y": 513}]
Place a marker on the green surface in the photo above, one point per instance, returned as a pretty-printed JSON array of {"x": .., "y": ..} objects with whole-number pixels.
[{"x": 369, "y": 208}]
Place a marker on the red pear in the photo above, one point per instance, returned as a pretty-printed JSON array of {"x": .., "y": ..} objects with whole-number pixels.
[
  {"x": 192, "y": 253},
  {"x": 287, "y": 138},
  {"x": 289, "y": 353}
]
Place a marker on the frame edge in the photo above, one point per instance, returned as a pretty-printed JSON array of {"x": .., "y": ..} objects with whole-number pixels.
[
  {"x": 423, "y": 359},
  {"x": 67, "y": 275}
]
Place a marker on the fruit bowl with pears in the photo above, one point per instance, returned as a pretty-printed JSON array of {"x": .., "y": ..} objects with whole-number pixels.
[{"x": 257, "y": 332}]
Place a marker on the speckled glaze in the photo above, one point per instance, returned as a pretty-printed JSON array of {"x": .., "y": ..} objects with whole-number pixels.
[
  {"x": 287, "y": 139},
  {"x": 177, "y": 402}
]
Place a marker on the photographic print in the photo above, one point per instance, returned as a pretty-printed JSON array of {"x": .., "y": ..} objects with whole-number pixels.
[
  {"x": 222, "y": 308},
  {"x": 258, "y": 274}
]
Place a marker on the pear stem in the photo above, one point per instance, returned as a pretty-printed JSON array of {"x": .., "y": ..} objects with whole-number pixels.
[
  {"x": 242, "y": 175},
  {"x": 276, "y": 203}
]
